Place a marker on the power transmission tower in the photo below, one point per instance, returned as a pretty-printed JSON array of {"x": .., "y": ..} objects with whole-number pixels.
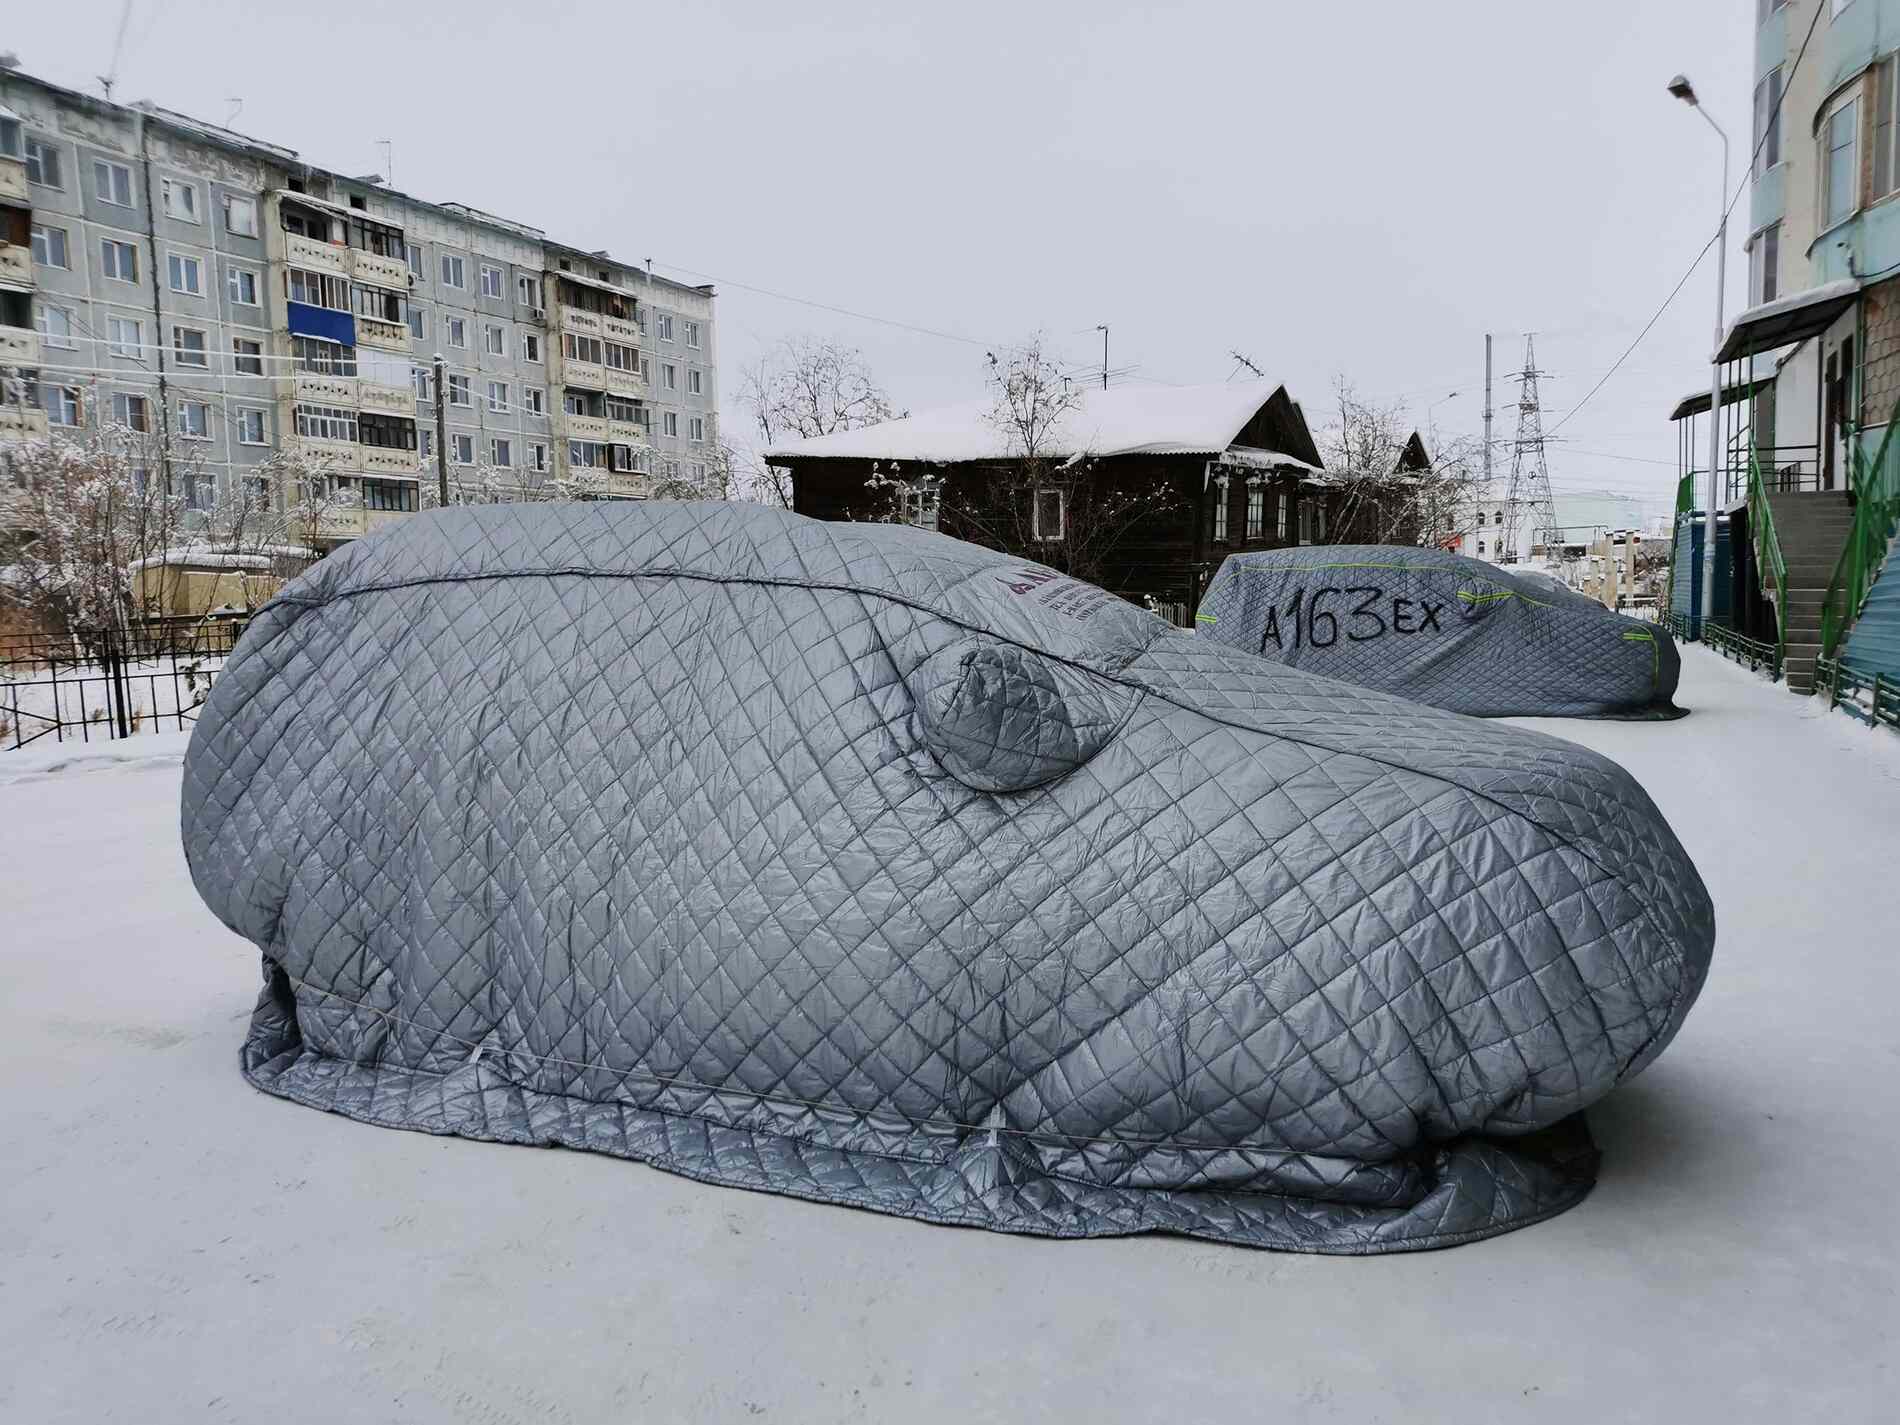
[{"x": 1529, "y": 495}]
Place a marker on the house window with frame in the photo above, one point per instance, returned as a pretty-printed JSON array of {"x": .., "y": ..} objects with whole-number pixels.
[
  {"x": 42, "y": 163},
  {"x": 421, "y": 376},
  {"x": 1768, "y": 121},
  {"x": 418, "y": 329},
  {"x": 455, "y": 332},
  {"x": 669, "y": 376},
  {"x": 322, "y": 358},
  {"x": 425, "y": 442},
  {"x": 621, "y": 358},
  {"x": 386, "y": 432},
  {"x": 112, "y": 183},
  {"x": 251, "y": 427},
  {"x": 494, "y": 339},
  {"x": 125, "y": 337},
  {"x": 622, "y": 458},
  {"x": 619, "y": 408},
  {"x": 501, "y": 452},
  {"x": 534, "y": 400},
  {"x": 582, "y": 348},
  {"x": 695, "y": 386},
  {"x": 458, "y": 393},
  {"x": 412, "y": 254},
  {"x": 240, "y": 215},
  {"x": 317, "y": 289},
  {"x": 326, "y": 423},
  {"x": 665, "y": 323},
  {"x": 462, "y": 448},
  {"x": 492, "y": 280},
  {"x": 670, "y": 424},
  {"x": 1840, "y": 164},
  {"x": 922, "y": 501},
  {"x": 531, "y": 347},
  {"x": 1764, "y": 261},
  {"x": 240, "y": 285},
  {"x": 132, "y": 412},
  {"x": 497, "y": 396},
  {"x": 454, "y": 274},
  {"x": 528, "y": 290},
  {"x": 180, "y": 199},
  {"x": 55, "y": 326},
  {"x": 194, "y": 420},
  {"x": 49, "y": 246},
  {"x": 692, "y": 334},
  {"x": 1256, "y": 510},
  {"x": 537, "y": 457},
  {"x": 61, "y": 404},
  {"x": 119, "y": 260},
  {"x": 187, "y": 274},
  {"x": 1219, "y": 533},
  {"x": 247, "y": 356},
  {"x": 380, "y": 304},
  {"x": 587, "y": 455},
  {"x": 391, "y": 496},
  {"x": 1885, "y": 175},
  {"x": 1048, "y": 514},
  {"x": 696, "y": 429},
  {"x": 1280, "y": 514}
]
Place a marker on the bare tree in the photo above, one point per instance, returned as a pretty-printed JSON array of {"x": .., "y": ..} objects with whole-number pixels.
[
  {"x": 1045, "y": 499},
  {"x": 1380, "y": 500},
  {"x": 802, "y": 388}
]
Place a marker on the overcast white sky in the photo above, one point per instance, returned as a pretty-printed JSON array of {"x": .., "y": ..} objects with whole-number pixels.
[{"x": 1359, "y": 188}]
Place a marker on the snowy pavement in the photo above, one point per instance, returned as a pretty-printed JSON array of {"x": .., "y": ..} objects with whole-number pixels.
[{"x": 177, "y": 1246}]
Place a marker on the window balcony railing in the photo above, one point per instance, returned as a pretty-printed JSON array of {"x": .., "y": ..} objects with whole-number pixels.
[
  {"x": 13, "y": 180},
  {"x": 340, "y": 524},
  {"x": 321, "y": 390},
  {"x": 379, "y": 271},
  {"x": 585, "y": 374},
  {"x": 19, "y": 346},
  {"x": 16, "y": 263},
  {"x": 320, "y": 256},
  {"x": 19, "y": 422},
  {"x": 389, "y": 400},
  {"x": 378, "y": 460},
  {"x": 626, "y": 333},
  {"x": 573, "y": 319},
  {"x": 621, "y": 382},
  {"x": 374, "y": 331},
  {"x": 587, "y": 427},
  {"x": 626, "y": 433}
]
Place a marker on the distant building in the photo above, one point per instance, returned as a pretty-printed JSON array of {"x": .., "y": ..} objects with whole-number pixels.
[
  {"x": 183, "y": 279},
  {"x": 1222, "y": 469}
]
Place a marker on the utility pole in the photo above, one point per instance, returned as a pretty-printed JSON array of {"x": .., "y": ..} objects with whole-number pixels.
[
  {"x": 441, "y": 438},
  {"x": 1487, "y": 412},
  {"x": 1104, "y": 331}
]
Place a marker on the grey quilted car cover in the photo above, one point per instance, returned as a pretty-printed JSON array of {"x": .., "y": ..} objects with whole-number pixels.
[
  {"x": 856, "y": 863},
  {"x": 1453, "y": 632}
]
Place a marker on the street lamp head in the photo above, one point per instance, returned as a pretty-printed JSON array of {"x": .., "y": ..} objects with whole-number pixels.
[{"x": 1683, "y": 89}]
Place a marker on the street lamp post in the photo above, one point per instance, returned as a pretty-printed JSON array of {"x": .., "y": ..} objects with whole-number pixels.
[{"x": 1685, "y": 91}]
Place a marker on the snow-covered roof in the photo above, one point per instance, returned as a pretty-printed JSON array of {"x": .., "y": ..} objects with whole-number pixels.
[
  {"x": 1124, "y": 420},
  {"x": 200, "y": 556},
  {"x": 1788, "y": 319}
]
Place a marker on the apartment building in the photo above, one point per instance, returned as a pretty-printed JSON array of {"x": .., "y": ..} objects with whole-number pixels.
[{"x": 230, "y": 298}]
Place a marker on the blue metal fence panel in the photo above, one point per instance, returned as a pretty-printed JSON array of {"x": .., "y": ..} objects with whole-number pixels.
[{"x": 306, "y": 320}]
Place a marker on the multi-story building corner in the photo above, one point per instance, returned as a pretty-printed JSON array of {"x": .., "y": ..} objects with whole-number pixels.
[{"x": 187, "y": 280}]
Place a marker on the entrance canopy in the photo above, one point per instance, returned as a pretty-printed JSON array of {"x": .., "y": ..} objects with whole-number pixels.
[{"x": 1787, "y": 320}]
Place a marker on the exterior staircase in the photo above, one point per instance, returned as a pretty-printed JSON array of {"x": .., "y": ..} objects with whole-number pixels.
[
  {"x": 1812, "y": 529},
  {"x": 1873, "y": 644}
]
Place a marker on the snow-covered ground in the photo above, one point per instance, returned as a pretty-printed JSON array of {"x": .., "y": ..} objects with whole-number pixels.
[{"x": 175, "y": 1246}]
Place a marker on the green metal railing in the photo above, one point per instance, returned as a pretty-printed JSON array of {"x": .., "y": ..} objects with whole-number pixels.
[
  {"x": 1762, "y": 657},
  {"x": 1883, "y": 697},
  {"x": 1768, "y": 557},
  {"x": 1875, "y": 486}
]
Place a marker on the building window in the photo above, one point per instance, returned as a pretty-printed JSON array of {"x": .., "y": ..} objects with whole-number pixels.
[
  {"x": 455, "y": 331},
  {"x": 180, "y": 200},
  {"x": 326, "y": 423},
  {"x": 380, "y": 304},
  {"x": 1280, "y": 502},
  {"x": 669, "y": 376},
  {"x": 188, "y": 345},
  {"x": 497, "y": 396},
  {"x": 398, "y": 496},
  {"x": 187, "y": 274},
  {"x": 534, "y": 400},
  {"x": 622, "y": 358},
  {"x": 240, "y": 285},
  {"x": 692, "y": 334},
  {"x": 581, "y": 348},
  {"x": 528, "y": 290},
  {"x": 491, "y": 280},
  {"x": 1768, "y": 121},
  {"x": 420, "y": 375},
  {"x": 42, "y": 163},
  {"x": 1220, "y": 510},
  {"x": 646, "y": 372},
  {"x": 412, "y": 254},
  {"x": 112, "y": 183},
  {"x": 587, "y": 455},
  {"x": 1480, "y": 519},
  {"x": 666, "y": 327},
  {"x": 1839, "y": 165},
  {"x": 61, "y": 403},
  {"x": 670, "y": 423},
  {"x": 694, "y": 386},
  {"x": 1764, "y": 261},
  {"x": 462, "y": 448},
  {"x": 318, "y": 289},
  {"x": 425, "y": 441},
  {"x": 49, "y": 246},
  {"x": 531, "y": 347},
  {"x": 247, "y": 357},
  {"x": 1256, "y": 510},
  {"x": 537, "y": 458},
  {"x": 1886, "y": 169},
  {"x": 322, "y": 358},
  {"x": 1481, "y": 546},
  {"x": 418, "y": 331},
  {"x": 494, "y": 340},
  {"x": 132, "y": 412},
  {"x": 1048, "y": 512},
  {"x": 458, "y": 391},
  {"x": 251, "y": 428},
  {"x": 55, "y": 325},
  {"x": 240, "y": 215},
  {"x": 119, "y": 259},
  {"x": 452, "y": 273},
  {"x": 501, "y": 452},
  {"x": 696, "y": 428},
  {"x": 386, "y": 432},
  {"x": 125, "y": 337},
  {"x": 619, "y": 408},
  {"x": 194, "y": 420}
]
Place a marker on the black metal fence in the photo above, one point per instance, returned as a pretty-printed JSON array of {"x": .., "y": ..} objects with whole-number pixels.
[{"x": 110, "y": 683}]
